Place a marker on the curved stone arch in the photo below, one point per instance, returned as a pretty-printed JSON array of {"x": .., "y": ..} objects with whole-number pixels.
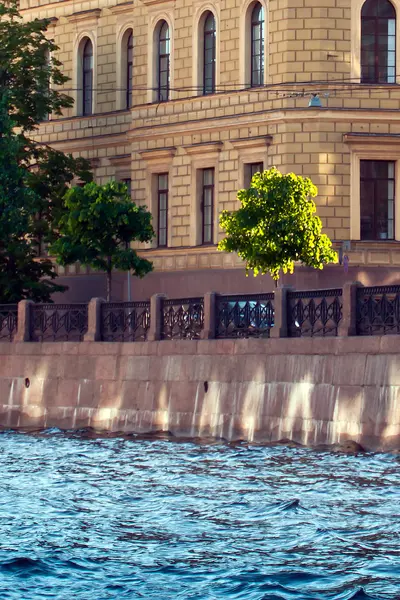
[
  {"x": 121, "y": 61},
  {"x": 199, "y": 18},
  {"x": 79, "y": 44},
  {"x": 356, "y": 8},
  {"x": 155, "y": 25},
  {"x": 246, "y": 11}
]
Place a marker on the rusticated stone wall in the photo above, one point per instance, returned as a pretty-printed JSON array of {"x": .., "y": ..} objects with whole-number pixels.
[{"x": 312, "y": 391}]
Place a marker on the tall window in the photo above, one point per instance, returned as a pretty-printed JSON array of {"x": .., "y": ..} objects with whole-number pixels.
[
  {"x": 162, "y": 208},
  {"x": 46, "y": 116},
  {"x": 378, "y": 42},
  {"x": 377, "y": 199},
  {"x": 207, "y": 205},
  {"x": 209, "y": 52},
  {"x": 250, "y": 170},
  {"x": 128, "y": 182},
  {"x": 164, "y": 51},
  {"x": 257, "y": 45},
  {"x": 129, "y": 70},
  {"x": 87, "y": 78}
]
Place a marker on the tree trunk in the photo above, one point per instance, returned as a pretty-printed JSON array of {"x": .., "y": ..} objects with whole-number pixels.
[{"x": 109, "y": 276}]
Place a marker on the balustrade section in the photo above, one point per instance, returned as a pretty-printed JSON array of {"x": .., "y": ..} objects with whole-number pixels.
[
  {"x": 314, "y": 313},
  {"x": 378, "y": 310},
  {"x": 58, "y": 322},
  {"x": 125, "y": 321},
  {"x": 245, "y": 316},
  {"x": 8, "y": 321},
  {"x": 182, "y": 319}
]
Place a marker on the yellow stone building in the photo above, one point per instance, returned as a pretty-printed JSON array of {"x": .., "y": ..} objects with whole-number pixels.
[{"x": 185, "y": 99}]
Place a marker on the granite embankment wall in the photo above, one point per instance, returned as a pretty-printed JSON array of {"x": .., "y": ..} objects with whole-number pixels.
[{"x": 313, "y": 391}]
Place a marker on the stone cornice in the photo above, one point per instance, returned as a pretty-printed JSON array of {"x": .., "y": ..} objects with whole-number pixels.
[
  {"x": 264, "y": 117},
  {"x": 372, "y": 139},
  {"x": 122, "y": 8},
  {"x": 158, "y": 154},
  {"x": 205, "y": 148},
  {"x": 85, "y": 16},
  {"x": 253, "y": 142},
  {"x": 121, "y": 160},
  {"x": 167, "y": 3}
]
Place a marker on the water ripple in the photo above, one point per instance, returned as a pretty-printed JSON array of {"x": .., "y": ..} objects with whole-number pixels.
[{"x": 96, "y": 518}]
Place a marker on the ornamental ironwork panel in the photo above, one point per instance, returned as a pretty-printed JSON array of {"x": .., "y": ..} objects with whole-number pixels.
[
  {"x": 183, "y": 319},
  {"x": 58, "y": 322},
  {"x": 125, "y": 321},
  {"x": 245, "y": 316},
  {"x": 8, "y": 321},
  {"x": 314, "y": 313},
  {"x": 378, "y": 310}
]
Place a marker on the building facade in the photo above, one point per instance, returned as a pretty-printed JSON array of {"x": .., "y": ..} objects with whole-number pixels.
[{"x": 185, "y": 99}]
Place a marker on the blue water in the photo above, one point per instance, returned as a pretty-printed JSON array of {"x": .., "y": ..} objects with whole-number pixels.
[{"x": 120, "y": 518}]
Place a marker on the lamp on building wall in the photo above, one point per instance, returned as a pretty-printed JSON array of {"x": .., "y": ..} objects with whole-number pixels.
[{"x": 315, "y": 102}]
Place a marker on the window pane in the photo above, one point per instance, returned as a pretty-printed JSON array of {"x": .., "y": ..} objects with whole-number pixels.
[
  {"x": 207, "y": 206},
  {"x": 377, "y": 189},
  {"x": 162, "y": 194}
]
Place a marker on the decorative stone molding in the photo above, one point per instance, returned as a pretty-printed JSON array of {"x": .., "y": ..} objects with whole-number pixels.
[
  {"x": 88, "y": 18},
  {"x": 158, "y": 155},
  {"x": 204, "y": 149},
  {"x": 169, "y": 3},
  {"x": 124, "y": 7},
  {"x": 254, "y": 142},
  {"x": 122, "y": 160}
]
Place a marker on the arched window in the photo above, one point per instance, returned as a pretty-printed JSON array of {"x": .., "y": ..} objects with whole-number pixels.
[
  {"x": 87, "y": 78},
  {"x": 378, "y": 42},
  {"x": 257, "y": 45},
  {"x": 164, "y": 51},
  {"x": 129, "y": 70},
  {"x": 209, "y": 51}
]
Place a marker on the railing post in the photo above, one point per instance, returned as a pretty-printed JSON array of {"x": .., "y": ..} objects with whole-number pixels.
[
  {"x": 348, "y": 322},
  {"x": 156, "y": 317},
  {"x": 93, "y": 333},
  {"x": 210, "y": 309},
  {"x": 24, "y": 321},
  {"x": 280, "y": 328}
]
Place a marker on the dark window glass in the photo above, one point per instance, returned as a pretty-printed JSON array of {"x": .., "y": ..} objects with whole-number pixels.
[
  {"x": 129, "y": 71},
  {"x": 87, "y": 78},
  {"x": 209, "y": 52},
  {"x": 257, "y": 45},
  {"x": 164, "y": 49},
  {"x": 207, "y": 205},
  {"x": 251, "y": 169},
  {"x": 162, "y": 203},
  {"x": 128, "y": 183},
  {"x": 377, "y": 199},
  {"x": 378, "y": 42}
]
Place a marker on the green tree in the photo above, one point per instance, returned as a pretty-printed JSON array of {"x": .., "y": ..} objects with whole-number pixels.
[
  {"x": 276, "y": 225},
  {"x": 30, "y": 80},
  {"x": 100, "y": 223},
  {"x": 21, "y": 274}
]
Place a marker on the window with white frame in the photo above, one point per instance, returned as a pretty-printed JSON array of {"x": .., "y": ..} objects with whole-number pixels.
[
  {"x": 377, "y": 197},
  {"x": 378, "y": 42}
]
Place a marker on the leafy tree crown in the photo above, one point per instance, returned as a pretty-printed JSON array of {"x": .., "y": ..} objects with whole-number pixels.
[{"x": 276, "y": 225}]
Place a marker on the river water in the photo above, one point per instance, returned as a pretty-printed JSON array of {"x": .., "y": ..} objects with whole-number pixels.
[{"x": 102, "y": 518}]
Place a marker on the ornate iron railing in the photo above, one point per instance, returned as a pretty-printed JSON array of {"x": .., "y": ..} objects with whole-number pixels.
[
  {"x": 58, "y": 322},
  {"x": 378, "y": 310},
  {"x": 8, "y": 321},
  {"x": 314, "y": 313},
  {"x": 125, "y": 321},
  {"x": 182, "y": 319},
  {"x": 245, "y": 316}
]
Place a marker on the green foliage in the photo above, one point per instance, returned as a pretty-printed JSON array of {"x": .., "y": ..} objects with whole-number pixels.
[
  {"x": 30, "y": 78},
  {"x": 276, "y": 225},
  {"x": 100, "y": 223},
  {"x": 29, "y": 70},
  {"x": 21, "y": 275}
]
